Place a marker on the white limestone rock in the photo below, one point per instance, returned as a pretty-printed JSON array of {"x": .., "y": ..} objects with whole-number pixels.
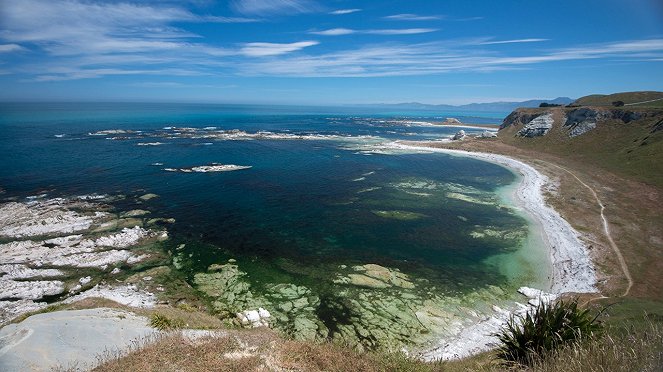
[
  {"x": 254, "y": 318},
  {"x": 128, "y": 295},
  {"x": 539, "y": 126},
  {"x": 459, "y": 135},
  {"x": 29, "y": 290},
  {"x": 20, "y": 271},
  {"x": 37, "y": 218}
]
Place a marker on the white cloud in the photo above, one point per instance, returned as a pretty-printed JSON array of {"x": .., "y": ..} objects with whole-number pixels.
[
  {"x": 334, "y": 32},
  {"x": 402, "y": 31},
  {"x": 515, "y": 41},
  {"x": 347, "y": 31},
  {"x": 434, "y": 58},
  {"x": 412, "y": 17},
  {"x": 273, "y": 49},
  {"x": 76, "y": 28},
  {"x": 7, "y": 48},
  {"x": 344, "y": 11},
  {"x": 269, "y": 7}
]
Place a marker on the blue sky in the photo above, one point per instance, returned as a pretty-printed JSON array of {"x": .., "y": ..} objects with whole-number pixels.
[{"x": 327, "y": 52}]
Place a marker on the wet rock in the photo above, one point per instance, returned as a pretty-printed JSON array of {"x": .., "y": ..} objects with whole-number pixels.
[
  {"x": 375, "y": 276},
  {"x": 399, "y": 215},
  {"x": 147, "y": 197},
  {"x": 231, "y": 293},
  {"x": 134, "y": 213}
]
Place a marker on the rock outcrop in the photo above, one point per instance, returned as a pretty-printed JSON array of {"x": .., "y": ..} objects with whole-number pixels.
[
  {"x": 487, "y": 134},
  {"x": 539, "y": 126},
  {"x": 575, "y": 121},
  {"x": 518, "y": 118},
  {"x": 48, "y": 243},
  {"x": 452, "y": 121},
  {"x": 459, "y": 135}
]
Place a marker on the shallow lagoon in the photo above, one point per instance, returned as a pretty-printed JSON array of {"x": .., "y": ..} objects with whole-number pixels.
[{"x": 376, "y": 249}]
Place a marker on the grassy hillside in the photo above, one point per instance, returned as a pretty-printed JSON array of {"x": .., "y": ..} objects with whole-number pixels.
[
  {"x": 633, "y": 149},
  {"x": 630, "y": 99}
]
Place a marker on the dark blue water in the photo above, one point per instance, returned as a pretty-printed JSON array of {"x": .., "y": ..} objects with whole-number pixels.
[{"x": 304, "y": 203}]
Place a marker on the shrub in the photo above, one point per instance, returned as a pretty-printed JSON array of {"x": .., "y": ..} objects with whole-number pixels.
[
  {"x": 526, "y": 338},
  {"x": 163, "y": 323},
  {"x": 618, "y": 103}
]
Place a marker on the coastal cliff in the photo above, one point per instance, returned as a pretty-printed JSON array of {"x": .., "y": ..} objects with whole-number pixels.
[{"x": 628, "y": 140}]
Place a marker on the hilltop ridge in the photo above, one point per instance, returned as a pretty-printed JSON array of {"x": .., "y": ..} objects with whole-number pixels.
[{"x": 625, "y": 139}]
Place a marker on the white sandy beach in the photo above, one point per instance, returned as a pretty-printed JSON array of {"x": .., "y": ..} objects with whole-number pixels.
[{"x": 571, "y": 267}]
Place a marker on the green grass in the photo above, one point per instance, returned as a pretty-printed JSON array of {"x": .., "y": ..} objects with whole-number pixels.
[
  {"x": 630, "y": 150},
  {"x": 626, "y": 97}
]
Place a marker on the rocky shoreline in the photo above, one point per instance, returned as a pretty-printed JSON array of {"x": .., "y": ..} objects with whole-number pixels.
[
  {"x": 65, "y": 250},
  {"x": 61, "y": 250}
]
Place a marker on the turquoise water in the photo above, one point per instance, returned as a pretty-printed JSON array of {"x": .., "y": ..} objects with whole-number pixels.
[{"x": 320, "y": 198}]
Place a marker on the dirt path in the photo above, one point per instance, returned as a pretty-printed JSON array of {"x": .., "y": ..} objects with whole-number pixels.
[
  {"x": 639, "y": 103},
  {"x": 606, "y": 230}
]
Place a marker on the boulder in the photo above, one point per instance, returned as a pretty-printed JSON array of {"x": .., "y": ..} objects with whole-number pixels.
[
  {"x": 254, "y": 318},
  {"x": 459, "y": 135}
]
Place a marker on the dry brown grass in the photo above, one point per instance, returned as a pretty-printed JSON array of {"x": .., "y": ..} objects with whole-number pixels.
[
  {"x": 629, "y": 351},
  {"x": 632, "y": 209},
  {"x": 264, "y": 350},
  {"x": 221, "y": 350}
]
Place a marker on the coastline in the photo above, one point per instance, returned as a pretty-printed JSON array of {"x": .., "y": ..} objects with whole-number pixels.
[{"x": 571, "y": 268}]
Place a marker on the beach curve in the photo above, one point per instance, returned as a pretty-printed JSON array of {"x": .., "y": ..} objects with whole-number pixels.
[{"x": 572, "y": 270}]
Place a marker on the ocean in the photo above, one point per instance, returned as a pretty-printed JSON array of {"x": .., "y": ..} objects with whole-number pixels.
[{"x": 337, "y": 234}]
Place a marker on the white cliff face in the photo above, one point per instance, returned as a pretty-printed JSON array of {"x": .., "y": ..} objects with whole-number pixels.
[
  {"x": 539, "y": 126},
  {"x": 581, "y": 121}
]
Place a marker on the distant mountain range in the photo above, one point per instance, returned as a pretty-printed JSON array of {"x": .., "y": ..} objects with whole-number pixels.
[{"x": 491, "y": 106}]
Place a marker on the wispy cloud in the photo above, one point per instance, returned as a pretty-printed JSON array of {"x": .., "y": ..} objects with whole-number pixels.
[
  {"x": 86, "y": 40},
  {"x": 515, "y": 41},
  {"x": 273, "y": 49},
  {"x": 347, "y": 31},
  {"x": 412, "y": 17},
  {"x": 334, "y": 32},
  {"x": 174, "y": 84},
  {"x": 344, "y": 11},
  {"x": 269, "y": 7},
  {"x": 435, "y": 58},
  {"x": 402, "y": 31},
  {"x": 76, "y": 39},
  {"x": 7, "y": 48}
]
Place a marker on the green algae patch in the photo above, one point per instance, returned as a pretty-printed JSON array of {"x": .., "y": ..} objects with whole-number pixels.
[
  {"x": 227, "y": 287},
  {"x": 399, "y": 215},
  {"x": 370, "y": 306},
  {"x": 375, "y": 276}
]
